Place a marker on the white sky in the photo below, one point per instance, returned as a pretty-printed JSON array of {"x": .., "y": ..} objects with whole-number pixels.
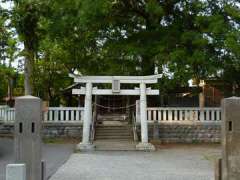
[{"x": 6, "y": 5}]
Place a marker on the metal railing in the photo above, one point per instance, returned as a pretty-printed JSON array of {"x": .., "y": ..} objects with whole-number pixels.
[
  {"x": 92, "y": 133},
  {"x": 134, "y": 126}
]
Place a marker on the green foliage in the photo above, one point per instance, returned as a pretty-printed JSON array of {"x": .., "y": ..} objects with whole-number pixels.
[
  {"x": 185, "y": 39},
  {"x": 50, "y": 74},
  {"x": 8, "y": 53},
  {"x": 152, "y": 7}
]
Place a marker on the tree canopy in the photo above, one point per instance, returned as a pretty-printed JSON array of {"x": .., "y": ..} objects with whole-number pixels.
[{"x": 185, "y": 39}]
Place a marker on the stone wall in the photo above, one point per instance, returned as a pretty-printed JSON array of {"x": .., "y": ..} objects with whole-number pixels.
[
  {"x": 62, "y": 130},
  {"x": 169, "y": 133},
  {"x": 179, "y": 133},
  {"x": 56, "y": 130},
  {"x": 6, "y": 130}
]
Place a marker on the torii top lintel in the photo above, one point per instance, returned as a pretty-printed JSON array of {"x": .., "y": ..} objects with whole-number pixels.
[{"x": 152, "y": 79}]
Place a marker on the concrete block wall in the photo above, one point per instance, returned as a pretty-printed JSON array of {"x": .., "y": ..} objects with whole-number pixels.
[
  {"x": 6, "y": 129},
  {"x": 56, "y": 130},
  {"x": 176, "y": 133},
  {"x": 62, "y": 130},
  {"x": 169, "y": 133}
]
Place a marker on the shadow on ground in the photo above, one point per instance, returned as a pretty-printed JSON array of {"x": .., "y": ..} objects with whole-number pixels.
[{"x": 54, "y": 154}]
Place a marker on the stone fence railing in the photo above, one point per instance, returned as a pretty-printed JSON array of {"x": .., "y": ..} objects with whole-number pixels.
[
  {"x": 51, "y": 115},
  {"x": 162, "y": 115},
  {"x": 7, "y": 114},
  {"x": 184, "y": 115}
]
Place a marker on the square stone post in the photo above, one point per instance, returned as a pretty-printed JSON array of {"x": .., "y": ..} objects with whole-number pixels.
[
  {"x": 231, "y": 139},
  {"x": 28, "y": 125},
  {"x": 144, "y": 144},
  {"x": 16, "y": 171},
  {"x": 87, "y": 120}
]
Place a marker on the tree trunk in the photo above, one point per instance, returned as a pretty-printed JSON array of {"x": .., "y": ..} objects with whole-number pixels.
[
  {"x": 27, "y": 77},
  {"x": 28, "y": 66}
]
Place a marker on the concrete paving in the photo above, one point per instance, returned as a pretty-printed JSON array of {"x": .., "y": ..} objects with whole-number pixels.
[
  {"x": 113, "y": 145},
  {"x": 189, "y": 162},
  {"x": 54, "y": 155}
]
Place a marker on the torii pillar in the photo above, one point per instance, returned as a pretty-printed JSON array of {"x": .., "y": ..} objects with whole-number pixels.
[
  {"x": 144, "y": 145},
  {"x": 86, "y": 145}
]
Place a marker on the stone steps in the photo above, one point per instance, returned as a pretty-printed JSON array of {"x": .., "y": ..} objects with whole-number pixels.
[
  {"x": 115, "y": 145},
  {"x": 112, "y": 117},
  {"x": 113, "y": 138},
  {"x": 106, "y": 132},
  {"x": 122, "y": 132}
]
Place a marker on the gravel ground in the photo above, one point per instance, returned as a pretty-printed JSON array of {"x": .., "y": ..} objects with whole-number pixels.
[
  {"x": 54, "y": 155},
  {"x": 184, "y": 162}
]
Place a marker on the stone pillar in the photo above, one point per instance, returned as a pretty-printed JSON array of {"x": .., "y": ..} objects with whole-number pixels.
[
  {"x": 231, "y": 139},
  {"x": 144, "y": 145},
  {"x": 87, "y": 120},
  {"x": 28, "y": 125},
  {"x": 143, "y": 113},
  {"x": 16, "y": 171}
]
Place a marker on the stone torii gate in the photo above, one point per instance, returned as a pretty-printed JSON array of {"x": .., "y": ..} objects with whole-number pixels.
[{"x": 116, "y": 81}]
